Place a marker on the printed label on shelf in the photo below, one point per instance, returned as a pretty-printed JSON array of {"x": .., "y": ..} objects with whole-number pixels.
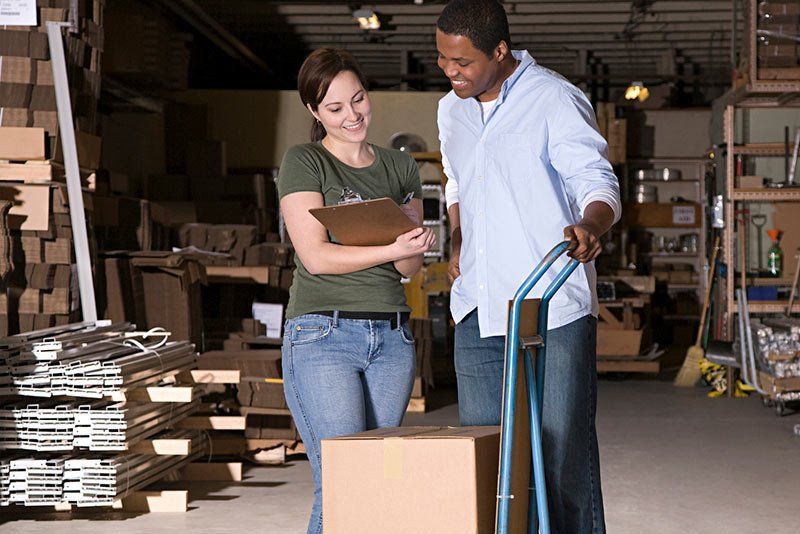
[
  {"x": 18, "y": 12},
  {"x": 683, "y": 215}
]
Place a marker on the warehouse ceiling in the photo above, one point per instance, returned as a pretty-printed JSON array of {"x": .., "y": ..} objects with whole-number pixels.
[{"x": 605, "y": 42}]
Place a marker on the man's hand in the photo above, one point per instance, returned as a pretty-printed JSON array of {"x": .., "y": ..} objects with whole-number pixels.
[
  {"x": 453, "y": 270},
  {"x": 584, "y": 242}
]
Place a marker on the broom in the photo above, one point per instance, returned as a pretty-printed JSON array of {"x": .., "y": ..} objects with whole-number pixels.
[{"x": 689, "y": 373}]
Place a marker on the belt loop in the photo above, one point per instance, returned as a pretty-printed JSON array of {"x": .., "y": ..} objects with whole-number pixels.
[
  {"x": 399, "y": 320},
  {"x": 336, "y": 318}
]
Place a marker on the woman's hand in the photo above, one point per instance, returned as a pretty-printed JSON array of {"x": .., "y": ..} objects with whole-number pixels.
[
  {"x": 415, "y": 242},
  {"x": 412, "y": 212}
]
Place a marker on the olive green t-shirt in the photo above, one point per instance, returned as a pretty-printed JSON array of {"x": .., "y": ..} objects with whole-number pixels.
[{"x": 311, "y": 167}]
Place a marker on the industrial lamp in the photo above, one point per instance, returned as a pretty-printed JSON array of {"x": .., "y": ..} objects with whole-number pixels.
[
  {"x": 367, "y": 19},
  {"x": 637, "y": 91}
]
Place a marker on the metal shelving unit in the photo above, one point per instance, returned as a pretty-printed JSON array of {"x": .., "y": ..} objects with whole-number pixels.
[
  {"x": 736, "y": 195},
  {"x": 693, "y": 172}
]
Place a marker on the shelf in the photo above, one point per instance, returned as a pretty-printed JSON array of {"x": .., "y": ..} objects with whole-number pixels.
[
  {"x": 666, "y": 182},
  {"x": 682, "y": 286},
  {"x": 766, "y": 195},
  {"x": 671, "y": 254},
  {"x": 761, "y": 149},
  {"x": 765, "y": 94},
  {"x": 767, "y": 306}
]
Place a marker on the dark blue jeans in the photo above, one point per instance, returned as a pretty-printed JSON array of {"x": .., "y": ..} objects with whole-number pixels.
[{"x": 572, "y": 464}]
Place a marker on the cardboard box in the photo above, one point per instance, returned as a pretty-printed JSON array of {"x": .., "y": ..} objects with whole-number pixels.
[
  {"x": 16, "y": 117},
  {"x": 411, "y": 479},
  {"x": 280, "y": 254},
  {"x": 751, "y": 182},
  {"x": 89, "y": 148},
  {"x": 22, "y": 144},
  {"x": 674, "y": 215},
  {"x": 31, "y": 210},
  {"x": 15, "y": 95},
  {"x": 158, "y": 289},
  {"x": 18, "y": 70},
  {"x": 14, "y": 43},
  {"x": 618, "y": 343}
]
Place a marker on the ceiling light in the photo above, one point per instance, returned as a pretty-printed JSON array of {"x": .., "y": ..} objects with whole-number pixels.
[
  {"x": 637, "y": 91},
  {"x": 367, "y": 19}
]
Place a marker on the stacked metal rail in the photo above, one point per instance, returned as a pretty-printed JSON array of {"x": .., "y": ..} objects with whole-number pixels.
[
  {"x": 93, "y": 362},
  {"x": 104, "y": 363},
  {"x": 88, "y": 481},
  {"x": 100, "y": 426}
]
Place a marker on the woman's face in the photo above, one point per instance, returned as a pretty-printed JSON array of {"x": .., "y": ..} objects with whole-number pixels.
[{"x": 345, "y": 112}]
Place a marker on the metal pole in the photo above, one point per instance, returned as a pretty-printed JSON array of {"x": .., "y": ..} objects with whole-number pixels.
[{"x": 66, "y": 129}]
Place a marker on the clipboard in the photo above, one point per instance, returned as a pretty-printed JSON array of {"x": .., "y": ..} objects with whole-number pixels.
[{"x": 369, "y": 223}]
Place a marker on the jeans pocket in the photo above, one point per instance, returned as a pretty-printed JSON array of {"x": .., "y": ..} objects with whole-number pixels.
[
  {"x": 308, "y": 329},
  {"x": 405, "y": 333}
]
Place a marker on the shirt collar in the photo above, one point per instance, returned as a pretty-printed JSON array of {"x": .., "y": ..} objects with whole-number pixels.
[{"x": 525, "y": 61}]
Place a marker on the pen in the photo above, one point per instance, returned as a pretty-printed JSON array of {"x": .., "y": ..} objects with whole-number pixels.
[{"x": 408, "y": 197}]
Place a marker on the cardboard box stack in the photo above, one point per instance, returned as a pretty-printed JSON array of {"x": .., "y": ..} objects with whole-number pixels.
[
  {"x": 614, "y": 130},
  {"x": 27, "y": 94},
  {"x": 780, "y": 21},
  {"x": 156, "y": 289},
  {"x": 41, "y": 289},
  {"x": 145, "y": 49}
]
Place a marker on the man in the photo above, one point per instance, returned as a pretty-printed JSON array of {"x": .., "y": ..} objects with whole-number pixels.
[{"x": 526, "y": 167}]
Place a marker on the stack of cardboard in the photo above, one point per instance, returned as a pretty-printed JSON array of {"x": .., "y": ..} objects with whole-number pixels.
[
  {"x": 41, "y": 291},
  {"x": 156, "y": 289},
  {"x": 778, "y": 49},
  {"x": 145, "y": 49},
  {"x": 614, "y": 130},
  {"x": 27, "y": 93},
  {"x": 260, "y": 392}
]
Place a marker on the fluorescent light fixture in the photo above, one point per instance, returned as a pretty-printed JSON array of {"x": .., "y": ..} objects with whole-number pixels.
[
  {"x": 367, "y": 19},
  {"x": 637, "y": 91}
]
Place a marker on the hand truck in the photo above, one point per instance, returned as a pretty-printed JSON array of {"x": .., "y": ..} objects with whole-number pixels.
[{"x": 538, "y": 517}]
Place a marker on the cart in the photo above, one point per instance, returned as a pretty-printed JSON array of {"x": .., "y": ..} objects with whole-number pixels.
[{"x": 534, "y": 347}]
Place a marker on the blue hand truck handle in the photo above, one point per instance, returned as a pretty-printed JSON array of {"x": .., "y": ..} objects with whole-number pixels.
[{"x": 537, "y": 514}]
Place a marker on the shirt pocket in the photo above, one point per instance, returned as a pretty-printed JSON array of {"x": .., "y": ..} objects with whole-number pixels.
[{"x": 511, "y": 154}]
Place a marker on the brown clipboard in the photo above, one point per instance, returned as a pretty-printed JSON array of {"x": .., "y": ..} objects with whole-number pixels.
[{"x": 368, "y": 223}]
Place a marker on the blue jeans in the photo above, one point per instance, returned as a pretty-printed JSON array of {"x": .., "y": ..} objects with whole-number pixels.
[
  {"x": 343, "y": 376},
  {"x": 569, "y": 443}
]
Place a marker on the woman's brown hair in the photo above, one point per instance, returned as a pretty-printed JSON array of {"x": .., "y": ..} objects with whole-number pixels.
[{"x": 315, "y": 77}]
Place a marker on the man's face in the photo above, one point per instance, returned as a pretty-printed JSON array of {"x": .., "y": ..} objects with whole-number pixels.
[{"x": 471, "y": 72}]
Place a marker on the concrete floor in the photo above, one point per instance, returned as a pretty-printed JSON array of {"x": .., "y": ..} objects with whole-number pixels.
[{"x": 673, "y": 461}]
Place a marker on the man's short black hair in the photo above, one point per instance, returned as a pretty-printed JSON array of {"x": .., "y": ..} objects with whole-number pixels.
[{"x": 483, "y": 22}]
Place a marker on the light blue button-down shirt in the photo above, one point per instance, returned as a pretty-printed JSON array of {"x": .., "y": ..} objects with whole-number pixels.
[{"x": 521, "y": 175}]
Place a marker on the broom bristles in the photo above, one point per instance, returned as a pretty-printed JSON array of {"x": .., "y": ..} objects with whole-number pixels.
[{"x": 689, "y": 373}]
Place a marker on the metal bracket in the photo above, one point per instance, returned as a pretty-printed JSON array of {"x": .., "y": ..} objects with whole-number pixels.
[{"x": 532, "y": 341}]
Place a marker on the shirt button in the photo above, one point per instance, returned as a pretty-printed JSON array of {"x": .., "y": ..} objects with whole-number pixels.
[
  {"x": 480, "y": 251},
  {"x": 481, "y": 286},
  {"x": 480, "y": 178}
]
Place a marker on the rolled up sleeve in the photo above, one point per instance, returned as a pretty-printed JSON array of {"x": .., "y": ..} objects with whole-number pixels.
[{"x": 579, "y": 153}]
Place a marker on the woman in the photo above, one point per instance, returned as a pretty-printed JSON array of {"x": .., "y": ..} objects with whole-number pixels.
[{"x": 348, "y": 354}]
